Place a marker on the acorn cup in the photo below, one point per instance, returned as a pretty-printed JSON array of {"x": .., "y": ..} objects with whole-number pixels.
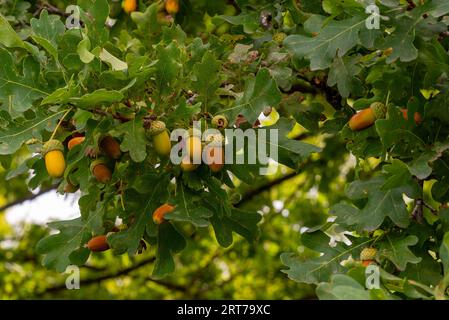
[
  {"x": 220, "y": 122},
  {"x": 100, "y": 171},
  {"x": 160, "y": 137},
  {"x": 52, "y": 152}
]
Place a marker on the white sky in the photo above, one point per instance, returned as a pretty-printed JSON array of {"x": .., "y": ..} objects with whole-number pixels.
[{"x": 48, "y": 207}]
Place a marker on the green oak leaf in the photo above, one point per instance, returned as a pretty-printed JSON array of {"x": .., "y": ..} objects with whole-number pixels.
[
  {"x": 290, "y": 151},
  {"x": 93, "y": 99},
  {"x": 134, "y": 140},
  {"x": 336, "y": 38},
  {"x": 18, "y": 92},
  {"x": 187, "y": 208},
  {"x": 342, "y": 287},
  {"x": 380, "y": 204},
  {"x": 205, "y": 78},
  {"x": 169, "y": 241},
  {"x": 420, "y": 167},
  {"x": 14, "y": 136},
  {"x": 140, "y": 204},
  {"x": 239, "y": 221},
  {"x": 48, "y": 27},
  {"x": 396, "y": 250},
  {"x": 321, "y": 268},
  {"x": 57, "y": 248},
  {"x": 260, "y": 92},
  {"x": 342, "y": 73},
  {"x": 10, "y": 39},
  {"x": 167, "y": 67}
]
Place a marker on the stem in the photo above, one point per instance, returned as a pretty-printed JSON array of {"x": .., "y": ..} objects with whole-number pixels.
[{"x": 59, "y": 123}]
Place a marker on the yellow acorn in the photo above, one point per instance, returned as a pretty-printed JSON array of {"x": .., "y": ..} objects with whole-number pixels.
[
  {"x": 188, "y": 165},
  {"x": 161, "y": 138},
  {"x": 54, "y": 158}
]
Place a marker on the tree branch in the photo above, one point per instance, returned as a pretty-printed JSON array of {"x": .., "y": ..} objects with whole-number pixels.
[
  {"x": 255, "y": 192},
  {"x": 120, "y": 273}
]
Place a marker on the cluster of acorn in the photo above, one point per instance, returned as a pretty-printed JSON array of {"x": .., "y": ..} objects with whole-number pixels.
[
  {"x": 100, "y": 243},
  {"x": 53, "y": 153},
  {"x": 375, "y": 111},
  {"x": 171, "y": 6}
]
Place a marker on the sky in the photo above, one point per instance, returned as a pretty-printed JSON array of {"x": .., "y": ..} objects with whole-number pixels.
[{"x": 48, "y": 207}]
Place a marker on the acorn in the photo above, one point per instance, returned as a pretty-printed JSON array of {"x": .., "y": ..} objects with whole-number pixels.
[
  {"x": 159, "y": 213},
  {"x": 187, "y": 165},
  {"x": 220, "y": 122},
  {"x": 101, "y": 171},
  {"x": 215, "y": 158},
  {"x": 417, "y": 116},
  {"x": 161, "y": 138},
  {"x": 129, "y": 6},
  {"x": 367, "y": 256},
  {"x": 74, "y": 142},
  {"x": 52, "y": 152},
  {"x": 98, "y": 244},
  {"x": 172, "y": 6},
  {"x": 70, "y": 188},
  {"x": 368, "y": 116},
  {"x": 110, "y": 147}
]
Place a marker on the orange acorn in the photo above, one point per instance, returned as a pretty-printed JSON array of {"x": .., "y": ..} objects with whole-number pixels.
[
  {"x": 98, "y": 244},
  {"x": 367, "y": 117},
  {"x": 111, "y": 147},
  {"x": 215, "y": 158},
  {"x": 129, "y": 6},
  {"x": 75, "y": 141},
  {"x": 366, "y": 263},
  {"x": 159, "y": 213},
  {"x": 101, "y": 171},
  {"x": 172, "y": 6},
  {"x": 417, "y": 117}
]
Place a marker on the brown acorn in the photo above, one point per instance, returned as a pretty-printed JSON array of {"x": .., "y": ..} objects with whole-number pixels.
[
  {"x": 110, "y": 147},
  {"x": 101, "y": 171}
]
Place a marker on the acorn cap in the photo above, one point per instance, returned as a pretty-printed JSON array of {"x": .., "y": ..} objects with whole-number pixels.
[
  {"x": 215, "y": 139},
  {"x": 157, "y": 127},
  {"x": 96, "y": 163},
  {"x": 379, "y": 109},
  {"x": 52, "y": 145},
  {"x": 368, "y": 254},
  {"x": 220, "y": 121}
]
